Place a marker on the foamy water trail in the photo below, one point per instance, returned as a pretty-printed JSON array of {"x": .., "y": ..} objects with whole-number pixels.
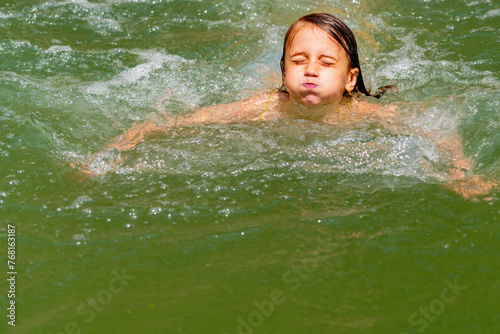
[{"x": 122, "y": 86}]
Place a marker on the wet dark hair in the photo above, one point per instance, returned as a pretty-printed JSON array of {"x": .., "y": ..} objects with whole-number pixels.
[{"x": 341, "y": 33}]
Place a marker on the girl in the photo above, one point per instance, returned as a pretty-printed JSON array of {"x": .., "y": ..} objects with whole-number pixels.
[
  {"x": 320, "y": 72},
  {"x": 320, "y": 69}
]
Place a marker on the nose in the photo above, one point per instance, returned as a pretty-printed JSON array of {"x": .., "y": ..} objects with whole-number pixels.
[{"x": 312, "y": 69}]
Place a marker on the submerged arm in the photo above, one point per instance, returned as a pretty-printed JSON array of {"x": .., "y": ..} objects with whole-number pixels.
[
  {"x": 462, "y": 181},
  {"x": 240, "y": 111},
  {"x": 461, "y": 164},
  {"x": 107, "y": 159}
]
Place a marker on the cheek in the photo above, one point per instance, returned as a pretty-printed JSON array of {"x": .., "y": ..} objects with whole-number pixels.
[
  {"x": 289, "y": 75},
  {"x": 286, "y": 78}
]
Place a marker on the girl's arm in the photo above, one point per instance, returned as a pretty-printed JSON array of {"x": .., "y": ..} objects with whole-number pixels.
[
  {"x": 461, "y": 164},
  {"x": 239, "y": 111},
  {"x": 461, "y": 177},
  {"x": 468, "y": 186}
]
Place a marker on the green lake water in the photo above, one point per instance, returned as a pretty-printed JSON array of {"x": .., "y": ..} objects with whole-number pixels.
[{"x": 279, "y": 227}]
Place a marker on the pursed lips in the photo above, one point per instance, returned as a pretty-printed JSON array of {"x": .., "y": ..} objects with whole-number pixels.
[{"x": 309, "y": 85}]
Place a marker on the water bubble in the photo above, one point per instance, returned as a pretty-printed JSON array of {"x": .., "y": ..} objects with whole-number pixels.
[
  {"x": 80, "y": 238},
  {"x": 77, "y": 203},
  {"x": 155, "y": 211}
]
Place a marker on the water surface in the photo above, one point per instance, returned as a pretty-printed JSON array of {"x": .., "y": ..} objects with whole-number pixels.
[{"x": 280, "y": 227}]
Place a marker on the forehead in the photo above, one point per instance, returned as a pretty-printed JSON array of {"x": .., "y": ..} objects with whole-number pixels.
[{"x": 309, "y": 35}]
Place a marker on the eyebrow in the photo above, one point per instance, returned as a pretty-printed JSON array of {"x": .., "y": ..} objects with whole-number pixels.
[{"x": 304, "y": 53}]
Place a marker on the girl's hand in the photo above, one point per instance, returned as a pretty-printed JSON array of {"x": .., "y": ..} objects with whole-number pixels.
[
  {"x": 106, "y": 161},
  {"x": 471, "y": 186},
  {"x": 132, "y": 137},
  {"x": 81, "y": 167}
]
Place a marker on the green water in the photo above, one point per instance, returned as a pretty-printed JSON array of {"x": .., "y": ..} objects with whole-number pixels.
[{"x": 285, "y": 227}]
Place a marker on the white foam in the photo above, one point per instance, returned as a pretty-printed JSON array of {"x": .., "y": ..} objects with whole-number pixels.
[
  {"x": 154, "y": 61},
  {"x": 6, "y": 16},
  {"x": 491, "y": 13},
  {"x": 80, "y": 2},
  {"x": 58, "y": 49},
  {"x": 105, "y": 25}
]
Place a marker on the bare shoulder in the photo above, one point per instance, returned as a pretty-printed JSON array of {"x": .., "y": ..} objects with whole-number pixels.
[
  {"x": 354, "y": 110},
  {"x": 238, "y": 111},
  {"x": 361, "y": 106}
]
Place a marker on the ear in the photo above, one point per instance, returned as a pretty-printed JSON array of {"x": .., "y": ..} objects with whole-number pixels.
[{"x": 352, "y": 79}]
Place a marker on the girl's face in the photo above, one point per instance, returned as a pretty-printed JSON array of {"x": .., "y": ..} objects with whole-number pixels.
[{"x": 316, "y": 68}]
